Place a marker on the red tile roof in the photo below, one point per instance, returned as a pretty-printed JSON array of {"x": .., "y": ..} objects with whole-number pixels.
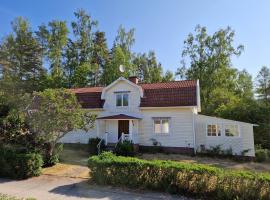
[
  {"x": 89, "y": 97},
  {"x": 175, "y": 93}
]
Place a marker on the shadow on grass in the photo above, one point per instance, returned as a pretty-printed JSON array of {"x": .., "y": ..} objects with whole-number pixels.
[{"x": 74, "y": 155}]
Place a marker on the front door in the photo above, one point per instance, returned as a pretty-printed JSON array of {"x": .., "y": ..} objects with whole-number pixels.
[{"x": 123, "y": 127}]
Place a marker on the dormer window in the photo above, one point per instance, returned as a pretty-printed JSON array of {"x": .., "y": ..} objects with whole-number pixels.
[{"x": 122, "y": 99}]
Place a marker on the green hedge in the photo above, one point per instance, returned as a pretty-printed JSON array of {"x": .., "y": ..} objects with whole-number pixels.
[
  {"x": 19, "y": 165},
  {"x": 198, "y": 180}
]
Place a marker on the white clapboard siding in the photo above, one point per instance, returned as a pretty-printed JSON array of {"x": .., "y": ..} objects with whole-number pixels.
[
  {"x": 181, "y": 127},
  {"x": 80, "y": 136},
  {"x": 238, "y": 144},
  {"x": 110, "y": 98}
]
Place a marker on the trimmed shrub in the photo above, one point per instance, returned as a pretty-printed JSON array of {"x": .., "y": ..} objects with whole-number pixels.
[
  {"x": 19, "y": 165},
  {"x": 125, "y": 148},
  {"x": 92, "y": 145},
  {"x": 261, "y": 155},
  {"x": 202, "y": 181}
]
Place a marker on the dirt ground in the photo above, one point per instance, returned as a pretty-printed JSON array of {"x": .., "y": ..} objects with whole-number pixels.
[
  {"x": 224, "y": 163},
  {"x": 73, "y": 163}
]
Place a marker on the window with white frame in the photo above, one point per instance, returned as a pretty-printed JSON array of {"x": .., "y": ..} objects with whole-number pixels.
[
  {"x": 213, "y": 130},
  {"x": 122, "y": 99},
  {"x": 161, "y": 125},
  {"x": 231, "y": 130}
]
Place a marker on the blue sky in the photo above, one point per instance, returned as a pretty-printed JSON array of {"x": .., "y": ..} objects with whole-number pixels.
[{"x": 161, "y": 25}]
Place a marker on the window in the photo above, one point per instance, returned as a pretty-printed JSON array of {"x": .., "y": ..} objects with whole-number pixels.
[
  {"x": 213, "y": 130},
  {"x": 161, "y": 125},
  {"x": 122, "y": 99},
  {"x": 232, "y": 131}
]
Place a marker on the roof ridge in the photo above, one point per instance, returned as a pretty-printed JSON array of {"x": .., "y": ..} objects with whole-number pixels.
[{"x": 168, "y": 82}]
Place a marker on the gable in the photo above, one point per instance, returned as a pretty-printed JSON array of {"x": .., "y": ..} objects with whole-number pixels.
[{"x": 123, "y": 84}]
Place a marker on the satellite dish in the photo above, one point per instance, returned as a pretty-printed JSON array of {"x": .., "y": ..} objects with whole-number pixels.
[{"x": 122, "y": 68}]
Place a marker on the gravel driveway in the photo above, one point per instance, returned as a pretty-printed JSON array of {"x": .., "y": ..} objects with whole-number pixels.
[{"x": 48, "y": 187}]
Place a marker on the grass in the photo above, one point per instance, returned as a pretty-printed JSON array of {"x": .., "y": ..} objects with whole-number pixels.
[
  {"x": 218, "y": 162},
  {"x": 74, "y": 155},
  {"x": 6, "y": 197},
  {"x": 73, "y": 163}
]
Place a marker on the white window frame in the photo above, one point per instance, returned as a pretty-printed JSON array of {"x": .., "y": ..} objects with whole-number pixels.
[
  {"x": 218, "y": 128},
  {"x": 237, "y": 128},
  {"x": 162, "y": 118},
  {"x": 122, "y": 99}
]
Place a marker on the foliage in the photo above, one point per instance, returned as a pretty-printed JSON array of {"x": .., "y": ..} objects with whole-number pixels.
[
  {"x": 209, "y": 58},
  {"x": 261, "y": 154},
  {"x": 19, "y": 165},
  {"x": 51, "y": 159},
  {"x": 58, "y": 112},
  {"x": 125, "y": 148},
  {"x": 202, "y": 181},
  {"x": 21, "y": 60},
  {"x": 92, "y": 146},
  {"x": 263, "y": 84},
  {"x": 149, "y": 69},
  {"x": 54, "y": 39}
]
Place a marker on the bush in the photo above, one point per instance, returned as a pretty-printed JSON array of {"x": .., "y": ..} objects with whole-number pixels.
[
  {"x": 19, "y": 165},
  {"x": 125, "y": 148},
  {"x": 92, "y": 145},
  {"x": 261, "y": 155},
  {"x": 202, "y": 181}
]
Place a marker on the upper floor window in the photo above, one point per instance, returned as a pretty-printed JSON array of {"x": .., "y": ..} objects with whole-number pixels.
[
  {"x": 213, "y": 130},
  {"x": 121, "y": 99},
  {"x": 161, "y": 125},
  {"x": 232, "y": 131}
]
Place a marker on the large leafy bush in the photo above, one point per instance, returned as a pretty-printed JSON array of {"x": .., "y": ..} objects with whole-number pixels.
[
  {"x": 19, "y": 165},
  {"x": 261, "y": 154},
  {"x": 201, "y": 181},
  {"x": 125, "y": 148}
]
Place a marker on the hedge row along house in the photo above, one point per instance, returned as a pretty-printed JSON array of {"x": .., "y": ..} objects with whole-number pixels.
[{"x": 164, "y": 114}]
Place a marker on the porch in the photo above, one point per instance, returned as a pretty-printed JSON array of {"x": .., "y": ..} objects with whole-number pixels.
[{"x": 116, "y": 128}]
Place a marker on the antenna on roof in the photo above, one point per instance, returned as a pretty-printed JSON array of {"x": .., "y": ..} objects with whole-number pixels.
[{"x": 122, "y": 68}]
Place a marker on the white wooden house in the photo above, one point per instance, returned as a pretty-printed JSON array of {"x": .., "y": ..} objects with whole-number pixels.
[{"x": 166, "y": 113}]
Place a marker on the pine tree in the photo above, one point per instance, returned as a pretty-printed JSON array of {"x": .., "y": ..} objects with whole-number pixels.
[{"x": 21, "y": 60}]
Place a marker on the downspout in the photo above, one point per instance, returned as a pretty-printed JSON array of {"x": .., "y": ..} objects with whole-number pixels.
[{"x": 194, "y": 134}]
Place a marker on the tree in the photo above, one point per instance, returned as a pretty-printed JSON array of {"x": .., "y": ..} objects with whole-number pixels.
[
  {"x": 54, "y": 40},
  {"x": 100, "y": 57},
  {"x": 57, "y": 113},
  {"x": 148, "y": 68},
  {"x": 209, "y": 58},
  {"x": 125, "y": 39},
  {"x": 168, "y": 76},
  {"x": 263, "y": 84},
  {"x": 79, "y": 52},
  {"x": 111, "y": 71},
  {"x": 21, "y": 60}
]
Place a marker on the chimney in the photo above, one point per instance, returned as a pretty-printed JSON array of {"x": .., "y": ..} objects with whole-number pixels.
[{"x": 134, "y": 79}]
